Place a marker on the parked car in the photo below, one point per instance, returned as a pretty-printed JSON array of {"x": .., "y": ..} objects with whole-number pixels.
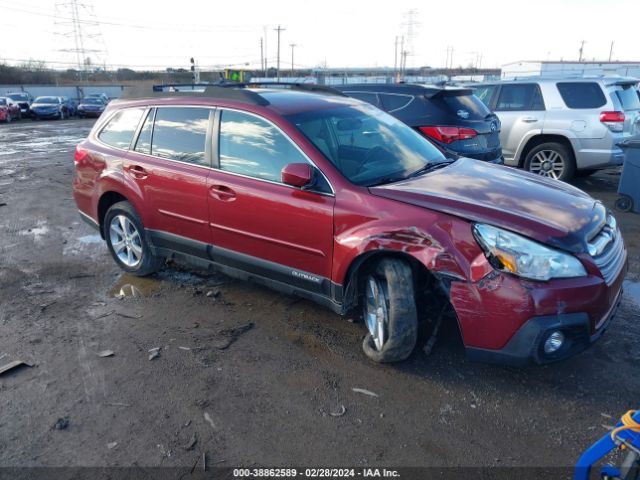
[
  {"x": 49, "y": 107},
  {"x": 8, "y": 110},
  {"x": 331, "y": 199},
  {"x": 23, "y": 99},
  {"x": 451, "y": 118},
  {"x": 102, "y": 96},
  {"x": 557, "y": 127},
  {"x": 91, "y": 107}
]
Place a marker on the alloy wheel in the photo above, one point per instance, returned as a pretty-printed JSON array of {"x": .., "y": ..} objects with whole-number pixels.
[
  {"x": 125, "y": 240},
  {"x": 376, "y": 311},
  {"x": 548, "y": 163}
]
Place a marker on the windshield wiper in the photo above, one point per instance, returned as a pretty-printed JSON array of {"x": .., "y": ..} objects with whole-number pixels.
[
  {"x": 430, "y": 167},
  {"x": 386, "y": 180}
]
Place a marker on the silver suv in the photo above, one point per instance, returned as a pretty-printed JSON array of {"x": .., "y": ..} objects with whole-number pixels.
[{"x": 559, "y": 127}]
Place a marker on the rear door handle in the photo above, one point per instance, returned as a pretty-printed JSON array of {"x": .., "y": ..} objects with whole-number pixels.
[
  {"x": 222, "y": 192},
  {"x": 529, "y": 119},
  {"x": 138, "y": 172}
]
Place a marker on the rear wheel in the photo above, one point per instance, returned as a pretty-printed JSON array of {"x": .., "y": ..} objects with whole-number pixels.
[
  {"x": 553, "y": 160},
  {"x": 389, "y": 310},
  {"x": 127, "y": 241}
]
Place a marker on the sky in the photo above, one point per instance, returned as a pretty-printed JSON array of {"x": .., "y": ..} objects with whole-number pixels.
[{"x": 339, "y": 33}]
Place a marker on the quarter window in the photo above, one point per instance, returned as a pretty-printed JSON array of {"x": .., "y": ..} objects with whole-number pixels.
[
  {"x": 254, "y": 147},
  {"x": 520, "y": 97},
  {"x": 120, "y": 129},
  {"x": 484, "y": 93},
  {"x": 582, "y": 94},
  {"x": 181, "y": 134}
]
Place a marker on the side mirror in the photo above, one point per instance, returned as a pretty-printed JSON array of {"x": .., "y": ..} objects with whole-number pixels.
[{"x": 298, "y": 175}]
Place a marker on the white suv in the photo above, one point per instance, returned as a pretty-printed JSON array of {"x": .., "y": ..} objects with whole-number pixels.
[{"x": 558, "y": 127}]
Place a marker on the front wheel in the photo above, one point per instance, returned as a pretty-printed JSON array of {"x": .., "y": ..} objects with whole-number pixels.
[
  {"x": 127, "y": 241},
  {"x": 390, "y": 313},
  {"x": 553, "y": 160},
  {"x": 624, "y": 203}
]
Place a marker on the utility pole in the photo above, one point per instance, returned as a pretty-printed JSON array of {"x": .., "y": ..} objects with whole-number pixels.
[
  {"x": 266, "y": 68},
  {"x": 395, "y": 58},
  {"x": 279, "y": 29},
  {"x": 401, "y": 57},
  {"x": 292, "y": 45},
  {"x": 262, "y": 54},
  {"x": 611, "y": 52},
  {"x": 581, "y": 50}
]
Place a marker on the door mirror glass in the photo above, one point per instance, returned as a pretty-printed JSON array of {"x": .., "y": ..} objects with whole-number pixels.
[{"x": 298, "y": 175}]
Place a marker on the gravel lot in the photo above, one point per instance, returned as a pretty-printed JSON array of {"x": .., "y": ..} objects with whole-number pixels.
[{"x": 248, "y": 376}]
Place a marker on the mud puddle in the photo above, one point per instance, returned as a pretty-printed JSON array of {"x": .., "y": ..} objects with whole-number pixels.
[{"x": 128, "y": 286}]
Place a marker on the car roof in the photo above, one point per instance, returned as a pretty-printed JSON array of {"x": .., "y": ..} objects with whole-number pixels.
[
  {"x": 402, "y": 88},
  {"x": 606, "y": 79}
]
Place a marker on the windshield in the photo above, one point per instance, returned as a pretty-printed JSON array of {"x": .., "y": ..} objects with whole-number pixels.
[
  {"x": 92, "y": 101},
  {"x": 3, "y": 101},
  {"x": 47, "y": 100},
  {"x": 18, "y": 96},
  {"x": 365, "y": 144}
]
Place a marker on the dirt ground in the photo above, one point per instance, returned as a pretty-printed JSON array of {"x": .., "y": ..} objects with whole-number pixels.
[{"x": 248, "y": 376}]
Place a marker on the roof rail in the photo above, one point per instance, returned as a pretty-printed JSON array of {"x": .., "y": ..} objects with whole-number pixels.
[
  {"x": 234, "y": 92},
  {"x": 306, "y": 87}
]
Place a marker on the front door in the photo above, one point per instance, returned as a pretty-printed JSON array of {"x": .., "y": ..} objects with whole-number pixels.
[{"x": 258, "y": 223}]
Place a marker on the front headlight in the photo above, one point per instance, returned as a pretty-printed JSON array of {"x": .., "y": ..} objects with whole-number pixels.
[{"x": 523, "y": 257}]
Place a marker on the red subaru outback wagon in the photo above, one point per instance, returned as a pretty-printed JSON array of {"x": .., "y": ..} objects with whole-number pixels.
[{"x": 331, "y": 199}]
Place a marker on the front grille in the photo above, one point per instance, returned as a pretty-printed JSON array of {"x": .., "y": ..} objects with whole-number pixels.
[{"x": 610, "y": 260}]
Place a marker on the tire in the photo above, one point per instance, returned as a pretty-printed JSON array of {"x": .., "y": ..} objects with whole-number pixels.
[
  {"x": 8, "y": 118},
  {"x": 624, "y": 203},
  {"x": 20, "y": 115},
  {"x": 134, "y": 254},
  {"x": 552, "y": 160},
  {"x": 395, "y": 301},
  {"x": 61, "y": 115}
]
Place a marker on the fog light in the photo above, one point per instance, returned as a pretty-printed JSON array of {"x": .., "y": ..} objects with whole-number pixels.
[{"x": 554, "y": 342}]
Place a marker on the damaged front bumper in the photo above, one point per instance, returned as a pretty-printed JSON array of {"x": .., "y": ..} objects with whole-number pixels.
[{"x": 527, "y": 345}]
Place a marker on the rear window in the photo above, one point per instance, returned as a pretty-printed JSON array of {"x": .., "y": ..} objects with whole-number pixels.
[
  {"x": 581, "y": 95},
  {"x": 464, "y": 106},
  {"x": 119, "y": 131},
  {"x": 484, "y": 93},
  {"x": 368, "y": 97},
  {"x": 629, "y": 98},
  {"x": 391, "y": 102},
  {"x": 520, "y": 97}
]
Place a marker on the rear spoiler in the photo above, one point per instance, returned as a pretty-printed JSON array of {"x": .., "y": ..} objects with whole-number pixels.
[{"x": 623, "y": 82}]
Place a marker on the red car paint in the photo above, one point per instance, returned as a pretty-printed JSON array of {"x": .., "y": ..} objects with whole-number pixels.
[
  {"x": 8, "y": 108},
  {"x": 429, "y": 218}
]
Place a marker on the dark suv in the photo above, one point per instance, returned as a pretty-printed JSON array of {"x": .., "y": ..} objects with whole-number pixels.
[
  {"x": 326, "y": 197},
  {"x": 452, "y": 118}
]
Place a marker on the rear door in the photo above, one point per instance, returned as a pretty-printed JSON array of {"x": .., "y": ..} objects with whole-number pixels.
[
  {"x": 521, "y": 110},
  {"x": 630, "y": 104},
  {"x": 258, "y": 223},
  {"x": 169, "y": 165}
]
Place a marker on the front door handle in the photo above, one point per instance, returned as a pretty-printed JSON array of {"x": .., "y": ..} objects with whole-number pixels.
[
  {"x": 137, "y": 172},
  {"x": 529, "y": 119},
  {"x": 222, "y": 192}
]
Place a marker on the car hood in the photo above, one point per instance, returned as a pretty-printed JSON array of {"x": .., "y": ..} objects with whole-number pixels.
[{"x": 546, "y": 210}]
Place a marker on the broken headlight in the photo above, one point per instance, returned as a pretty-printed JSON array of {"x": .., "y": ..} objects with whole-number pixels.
[{"x": 523, "y": 257}]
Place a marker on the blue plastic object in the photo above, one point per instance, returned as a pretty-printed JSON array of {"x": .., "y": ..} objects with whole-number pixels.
[{"x": 602, "y": 448}]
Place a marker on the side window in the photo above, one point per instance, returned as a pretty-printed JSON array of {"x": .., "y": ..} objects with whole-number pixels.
[
  {"x": 371, "y": 98},
  {"x": 254, "y": 147},
  {"x": 391, "y": 103},
  {"x": 180, "y": 133},
  {"x": 581, "y": 94},
  {"x": 521, "y": 97},
  {"x": 120, "y": 129},
  {"x": 485, "y": 93},
  {"x": 143, "y": 145}
]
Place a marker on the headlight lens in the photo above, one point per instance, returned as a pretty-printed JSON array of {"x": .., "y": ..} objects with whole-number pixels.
[{"x": 524, "y": 257}]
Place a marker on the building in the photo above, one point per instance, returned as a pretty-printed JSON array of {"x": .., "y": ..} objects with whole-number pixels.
[{"x": 555, "y": 68}]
